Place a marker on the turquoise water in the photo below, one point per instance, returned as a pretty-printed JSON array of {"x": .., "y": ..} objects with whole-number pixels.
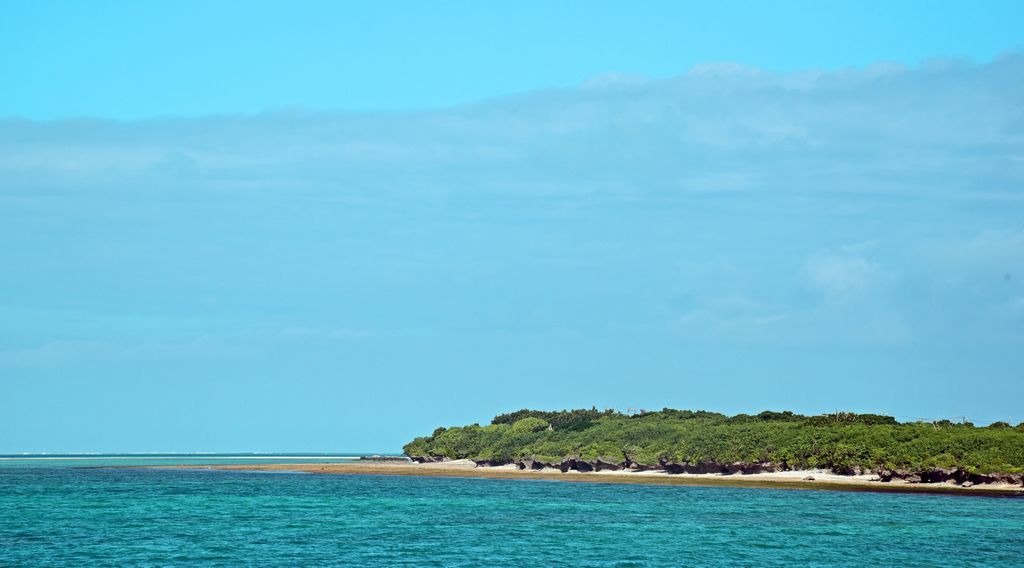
[
  {"x": 10, "y": 461},
  {"x": 58, "y": 515}
]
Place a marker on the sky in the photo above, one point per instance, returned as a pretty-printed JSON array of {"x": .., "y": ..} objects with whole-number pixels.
[
  {"x": 333, "y": 227},
  {"x": 138, "y": 60}
]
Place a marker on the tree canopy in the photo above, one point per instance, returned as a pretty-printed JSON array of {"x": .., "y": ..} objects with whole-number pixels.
[{"x": 842, "y": 441}]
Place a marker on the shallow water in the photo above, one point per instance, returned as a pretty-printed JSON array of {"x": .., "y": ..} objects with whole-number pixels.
[{"x": 66, "y": 516}]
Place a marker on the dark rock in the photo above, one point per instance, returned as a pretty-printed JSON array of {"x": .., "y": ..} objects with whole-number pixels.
[
  {"x": 582, "y": 465},
  {"x": 492, "y": 462},
  {"x": 701, "y": 468},
  {"x": 809, "y": 478},
  {"x": 567, "y": 464},
  {"x": 764, "y": 467},
  {"x": 674, "y": 468},
  {"x": 936, "y": 475},
  {"x": 379, "y": 458},
  {"x": 605, "y": 465},
  {"x": 732, "y": 468},
  {"x": 428, "y": 459},
  {"x": 708, "y": 467},
  {"x": 887, "y": 475},
  {"x": 1010, "y": 478}
]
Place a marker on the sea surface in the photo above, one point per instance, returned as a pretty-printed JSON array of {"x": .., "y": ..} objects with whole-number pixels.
[{"x": 83, "y": 511}]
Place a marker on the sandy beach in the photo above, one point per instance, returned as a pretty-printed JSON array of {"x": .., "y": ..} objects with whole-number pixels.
[{"x": 806, "y": 480}]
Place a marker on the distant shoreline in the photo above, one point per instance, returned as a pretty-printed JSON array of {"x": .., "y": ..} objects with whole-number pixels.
[{"x": 822, "y": 480}]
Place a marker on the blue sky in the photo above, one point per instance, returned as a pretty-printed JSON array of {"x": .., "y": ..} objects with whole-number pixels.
[
  {"x": 332, "y": 228},
  {"x": 130, "y": 60}
]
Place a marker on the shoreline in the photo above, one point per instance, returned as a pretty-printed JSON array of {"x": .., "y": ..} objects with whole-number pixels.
[{"x": 796, "y": 480}]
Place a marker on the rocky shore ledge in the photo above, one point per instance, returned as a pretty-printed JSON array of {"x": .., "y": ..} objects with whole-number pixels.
[
  {"x": 955, "y": 476},
  {"x": 377, "y": 458}
]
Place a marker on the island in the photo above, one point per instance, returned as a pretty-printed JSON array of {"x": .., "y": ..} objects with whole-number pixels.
[
  {"x": 842, "y": 447},
  {"x": 842, "y": 451}
]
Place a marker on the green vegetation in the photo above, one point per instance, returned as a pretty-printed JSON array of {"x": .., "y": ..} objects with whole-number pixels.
[{"x": 843, "y": 442}]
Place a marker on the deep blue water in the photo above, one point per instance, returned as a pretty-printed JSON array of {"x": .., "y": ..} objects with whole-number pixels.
[{"x": 55, "y": 515}]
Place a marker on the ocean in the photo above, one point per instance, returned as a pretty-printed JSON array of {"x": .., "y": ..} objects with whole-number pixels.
[{"x": 83, "y": 511}]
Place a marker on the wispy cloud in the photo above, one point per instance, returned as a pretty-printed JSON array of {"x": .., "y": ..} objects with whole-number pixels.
[
  {"x": 843, "y": 272},
  {"x": 885, "y": 129}
]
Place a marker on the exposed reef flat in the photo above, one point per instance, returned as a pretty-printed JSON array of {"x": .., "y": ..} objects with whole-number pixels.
[{"x": 822, "y": 480}]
